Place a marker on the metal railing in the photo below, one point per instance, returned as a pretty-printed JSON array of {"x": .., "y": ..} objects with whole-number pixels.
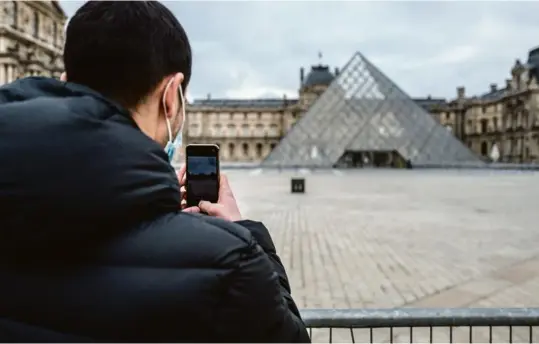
[{"x": 423, "y": 325}]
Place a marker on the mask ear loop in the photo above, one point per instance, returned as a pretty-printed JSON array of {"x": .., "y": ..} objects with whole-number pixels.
[
  {"x": 182, "y": 100},
  {"x": 169, "y": 128}
]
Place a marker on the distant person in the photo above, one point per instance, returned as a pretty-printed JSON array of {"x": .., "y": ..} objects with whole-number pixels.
[{"x": 93, "y": 244}]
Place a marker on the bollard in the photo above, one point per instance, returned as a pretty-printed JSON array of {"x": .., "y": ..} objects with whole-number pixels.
[{"x": 298, "y": 185}]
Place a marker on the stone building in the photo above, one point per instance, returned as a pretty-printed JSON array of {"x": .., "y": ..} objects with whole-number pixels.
[
  {"x": 503, "y": 123},
  {"x": 31, "y": 39}
]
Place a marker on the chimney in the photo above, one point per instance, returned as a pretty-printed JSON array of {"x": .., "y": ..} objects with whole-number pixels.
[
  {"x": 493, "y": 88},
  {"x": 508, "y": 83},
  {"x": 461, "y": 92},
  {"x": 337, "y": 71},
  {"x": 301, "y": 76},
  {"x": 429, "y": 97}
]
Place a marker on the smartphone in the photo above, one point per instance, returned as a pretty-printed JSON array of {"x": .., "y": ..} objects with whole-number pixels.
[{"x": 202, "y": 180}]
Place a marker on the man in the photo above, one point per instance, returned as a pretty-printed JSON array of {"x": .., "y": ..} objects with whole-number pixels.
[{"x": 93, "y": 244}]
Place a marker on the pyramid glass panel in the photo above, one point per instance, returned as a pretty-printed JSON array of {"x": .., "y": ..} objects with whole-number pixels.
[{"x": 364, "y": 111}]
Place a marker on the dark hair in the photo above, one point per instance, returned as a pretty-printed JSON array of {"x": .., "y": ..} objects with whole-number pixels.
[{"x": 123, "y": 49}]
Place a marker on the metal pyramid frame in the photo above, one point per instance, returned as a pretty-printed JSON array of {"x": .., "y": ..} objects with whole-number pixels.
[{"x": 363, "y": 110}]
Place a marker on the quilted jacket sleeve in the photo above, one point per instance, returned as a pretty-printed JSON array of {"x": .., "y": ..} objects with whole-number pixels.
[{"x": 259, "y": 307}]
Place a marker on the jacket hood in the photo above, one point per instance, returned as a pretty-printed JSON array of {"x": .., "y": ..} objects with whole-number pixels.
[{"x": 74, "y": 167}]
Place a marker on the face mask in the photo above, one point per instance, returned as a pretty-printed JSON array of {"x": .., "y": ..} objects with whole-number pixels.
[{"x": 174, "y": 143}]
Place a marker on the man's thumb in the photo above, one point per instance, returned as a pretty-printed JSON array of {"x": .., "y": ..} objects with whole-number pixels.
[{"x": 207, "y": 207}]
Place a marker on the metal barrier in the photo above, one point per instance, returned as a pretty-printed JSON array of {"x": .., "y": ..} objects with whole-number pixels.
[{"x": 422, "y": 325}]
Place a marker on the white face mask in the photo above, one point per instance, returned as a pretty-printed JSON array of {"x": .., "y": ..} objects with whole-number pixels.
[{"x": 174, "y": 143}]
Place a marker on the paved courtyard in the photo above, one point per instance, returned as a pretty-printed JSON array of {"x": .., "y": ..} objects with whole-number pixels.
[{"x": 383, "y": 238}]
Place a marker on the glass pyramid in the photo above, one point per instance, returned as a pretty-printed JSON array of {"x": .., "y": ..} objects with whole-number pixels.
[{"x": 363, "y": 110}]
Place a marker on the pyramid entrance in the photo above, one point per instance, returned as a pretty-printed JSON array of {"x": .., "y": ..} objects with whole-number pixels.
[{"x": 372, "y": 159}]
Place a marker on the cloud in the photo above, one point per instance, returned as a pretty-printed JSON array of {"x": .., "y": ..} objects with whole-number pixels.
[{"x": 253, "y": 49}]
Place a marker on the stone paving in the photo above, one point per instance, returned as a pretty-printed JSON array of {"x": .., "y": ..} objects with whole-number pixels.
[{"x": 382, "y": 238}]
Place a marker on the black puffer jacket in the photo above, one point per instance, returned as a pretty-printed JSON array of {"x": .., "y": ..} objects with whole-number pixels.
[{"x": 93, "y": 247}]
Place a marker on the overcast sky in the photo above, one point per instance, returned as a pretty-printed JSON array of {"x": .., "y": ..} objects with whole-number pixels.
[{"x": 255, "y": 49}]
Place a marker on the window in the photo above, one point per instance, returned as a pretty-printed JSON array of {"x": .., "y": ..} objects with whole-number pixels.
[
  {"x": 54, "y": 33},
  {"x": 272, "y": 146},
  {"x": 484, "y": 148},
  {"x": 231, "y": 148},
  {"x": 245, "y": 129},
  {"x": 484, "y": 126},
  {"x": 36, "y": 24},
  {"x": 15, "y": 14},
  {"x": 259, "y": 150},
  {"x": 245, "y": 147},
  {"x": 274, "y": 129},
  {"x": 525, "y": 119}
]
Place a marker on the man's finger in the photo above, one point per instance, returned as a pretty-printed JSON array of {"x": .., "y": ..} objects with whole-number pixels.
[
  {"x": 209, "y": 208},
  {"x": 192, "y": 210},
  {"x": 180, "y": 174}
]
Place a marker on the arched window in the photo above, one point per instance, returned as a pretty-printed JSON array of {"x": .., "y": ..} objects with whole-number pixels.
[
  {"x": 259, "y": 150},
  {"x": 272, "y": 146},
  {"x": 231, "y": 148},
  {"x": 245, "y": 129},
  {"x": 245, "y": 148},
  {"x": 484, "y": 148}
]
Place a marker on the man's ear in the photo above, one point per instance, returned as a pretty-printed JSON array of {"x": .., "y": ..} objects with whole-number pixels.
[
  {"x": 172, "y": 100},
  {"x": 63, "y": 77}
]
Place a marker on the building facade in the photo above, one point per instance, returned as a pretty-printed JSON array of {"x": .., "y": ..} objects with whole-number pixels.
[
  {"x": 31, "y": 39},
  {"x": 502, "y": 124}
]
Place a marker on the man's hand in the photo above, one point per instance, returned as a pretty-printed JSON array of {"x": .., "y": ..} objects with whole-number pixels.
[
  {"x": 226, "y": 207},
  {"x": 181, "y": 178}
]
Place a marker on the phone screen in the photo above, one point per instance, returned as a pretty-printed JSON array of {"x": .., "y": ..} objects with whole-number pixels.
[{"x": 202, "y": 175}]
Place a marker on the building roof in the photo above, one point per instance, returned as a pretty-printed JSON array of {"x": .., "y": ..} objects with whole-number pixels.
[
  {"x": 244, "y": 103},
  {"x": 493, "y": 95},
  {"x": 363, "y": 110},
  {"x": 428, "y": 103},
  {"x": 319, "y": 75}
]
